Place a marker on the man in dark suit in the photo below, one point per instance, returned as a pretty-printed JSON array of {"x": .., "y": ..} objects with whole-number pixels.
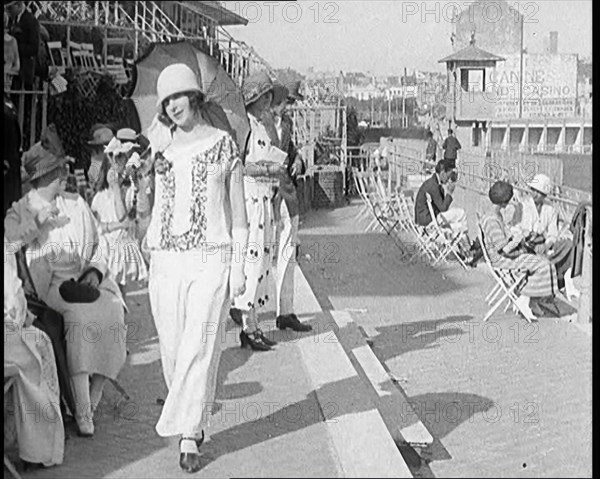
[
  {"x": 441, "y": 188},
  {"x": 26, "y": 29},
  {"x": 451, "y": 146}
]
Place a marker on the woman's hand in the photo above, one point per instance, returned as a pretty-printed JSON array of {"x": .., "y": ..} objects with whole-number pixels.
[
  {"x": 29, "y": 319},
  {"x": 91, "y": 278},
  {"x": 237, "y": 282}
]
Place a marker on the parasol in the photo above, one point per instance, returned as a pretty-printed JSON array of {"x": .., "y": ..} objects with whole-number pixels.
[{"x": 219, "y": 89}]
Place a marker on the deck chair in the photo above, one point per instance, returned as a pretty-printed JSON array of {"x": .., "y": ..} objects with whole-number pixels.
[
  {"x": 424, "y": 241},
  {"x": 10, "y": 374},
  {"x": 507, "y": 285},
  {"x": 58, "y": 56},
  {"x": 448, "y": 242}
]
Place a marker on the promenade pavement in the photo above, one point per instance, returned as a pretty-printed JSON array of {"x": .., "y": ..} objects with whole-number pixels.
[{"x": 502, "y": 399}]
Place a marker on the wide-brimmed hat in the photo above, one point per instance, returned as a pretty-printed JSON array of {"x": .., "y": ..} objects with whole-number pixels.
[
  {"x": 255, "y": 86},
  {"x": 280, "y": 93},
  {"x": 127, "y": 134},
  {"x": 501, "y": 192},
  {"x": 294, "y": 91},
  {"x": 101, "y": 136},
  {"x": 541, "y": 183},
  {"x": 176, "y": 78},
  {"x": 38, "y": 161}
]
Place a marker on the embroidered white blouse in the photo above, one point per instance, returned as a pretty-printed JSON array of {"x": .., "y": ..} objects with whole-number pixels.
[{"x": 191, "y": 207}]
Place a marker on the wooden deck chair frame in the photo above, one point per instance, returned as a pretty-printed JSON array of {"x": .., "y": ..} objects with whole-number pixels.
[
  {"x": 367, "y": 212},
  {"x": 508, "y": 282},
  {"x": 364, "y": 211},
  {"x": 425, "y": 243},
  {"x": 56, "y": 51},
  {"x": 10, "y": 374},
  {"x": 449, "y": 245}
]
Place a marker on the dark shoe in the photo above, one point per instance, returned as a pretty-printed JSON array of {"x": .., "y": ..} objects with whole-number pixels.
[
  {"x": 254, "y": 341},
  {"x": 550, "y": 308},
  {"x": 236, "y": 316},
  {"x": 190, "y": 462},
  {"x": 267, "y": 341},
  {"x": 291, "y": 321}
]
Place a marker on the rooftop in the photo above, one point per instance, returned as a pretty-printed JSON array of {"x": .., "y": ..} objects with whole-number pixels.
[{"x": 471, "y": 53}]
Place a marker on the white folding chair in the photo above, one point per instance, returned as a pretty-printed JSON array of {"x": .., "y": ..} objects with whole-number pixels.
[
  {"x": 424, "y": 241},
  {"x": 58, "y": 56},
  {"x": 508, "y": 282},
  {"x": 446, "y": 238}
]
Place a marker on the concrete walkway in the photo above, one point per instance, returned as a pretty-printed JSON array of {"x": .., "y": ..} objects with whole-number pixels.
[
  {"x": 268, "y": 422},
  {"x": 501, "y": 398}
]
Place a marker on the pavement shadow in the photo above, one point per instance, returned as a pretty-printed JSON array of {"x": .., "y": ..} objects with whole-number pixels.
[
  {"x": 290, "y": 418},
  {"x": 231, "y": 359},
  {"x": 393, "y": 341},
  {"x": 367, "y": 265}
]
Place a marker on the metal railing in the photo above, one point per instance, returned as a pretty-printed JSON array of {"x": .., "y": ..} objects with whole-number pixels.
[{"x": 32, "y": 113}]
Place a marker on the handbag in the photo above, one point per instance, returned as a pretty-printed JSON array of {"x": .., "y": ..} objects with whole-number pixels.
[{"x": 73, "y": 291}]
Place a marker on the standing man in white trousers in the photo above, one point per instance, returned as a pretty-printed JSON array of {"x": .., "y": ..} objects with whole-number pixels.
[{"x": 287, "y": 210}]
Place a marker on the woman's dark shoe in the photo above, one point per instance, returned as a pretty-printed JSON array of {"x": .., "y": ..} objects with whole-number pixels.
[
  {"x": 254, "y": 341},
  {"x": 236, "y": 316},
  {"x": 291, "y": 321},
  {"x": 267, "y": 341},
  {"x": 189, "y": 461}
]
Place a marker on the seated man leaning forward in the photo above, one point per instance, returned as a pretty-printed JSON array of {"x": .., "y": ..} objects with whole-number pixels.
[
  {"x": 441, "y": 188},
  {"x": 537, "y": 220}
]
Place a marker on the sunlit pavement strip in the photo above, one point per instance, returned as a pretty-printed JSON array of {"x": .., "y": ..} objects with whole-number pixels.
[
  {"x": 398, "y": 414},
  {"x": 363, "y": 444}
]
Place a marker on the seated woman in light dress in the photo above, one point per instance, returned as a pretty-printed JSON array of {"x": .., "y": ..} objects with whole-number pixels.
[
  {"x": 62, "y": 241},
  {"x": 538, "y": 220},
  {"x": 504, "y": 251},
  {"x": 36, "y": 388}
]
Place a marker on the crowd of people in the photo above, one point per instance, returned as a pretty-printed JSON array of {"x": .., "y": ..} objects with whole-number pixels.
[{"x": 173, "y": 208}]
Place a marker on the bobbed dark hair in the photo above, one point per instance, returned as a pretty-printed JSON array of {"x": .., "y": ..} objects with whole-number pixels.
[{"x": 197, "y": 100}]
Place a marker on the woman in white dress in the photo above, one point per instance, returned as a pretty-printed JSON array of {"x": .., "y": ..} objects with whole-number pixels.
[
  {"x": 197, "y": 218},
  {"x": 62, "y": 240},
  {"x": 125, "y": 262},
  {"x": 261, "y": 175},
  {"x": 36, "y": 388}
]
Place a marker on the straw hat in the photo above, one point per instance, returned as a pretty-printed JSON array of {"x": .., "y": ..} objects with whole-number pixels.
[
  {"x": 541, "y": 183},
  {"x": 255, "y": 86},
  {"x": 101, "y": 136},
  {"x": 127, "y": 134},
  {"x": 176, "y": 78},
  {"x": 38, "y": 161}
]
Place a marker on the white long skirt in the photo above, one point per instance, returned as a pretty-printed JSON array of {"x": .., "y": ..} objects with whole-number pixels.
[{"x": 189, "y": 298}]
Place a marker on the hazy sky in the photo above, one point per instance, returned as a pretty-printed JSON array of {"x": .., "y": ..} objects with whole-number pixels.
[{"x": 373, "y": 35}]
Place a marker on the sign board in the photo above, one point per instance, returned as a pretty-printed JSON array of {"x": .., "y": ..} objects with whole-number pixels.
[{"x": 549, "y": 86}]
